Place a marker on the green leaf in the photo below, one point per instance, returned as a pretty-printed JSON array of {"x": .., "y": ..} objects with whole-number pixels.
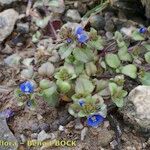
[
  {"x": 119, "y": 102},
  {"x": 118, "y": 36},
  {"x": 137, "y": 36},
  {"x": 112, "y": 60},
  {"x": 124, "y": 55},
  {"x": 64, "y": 86},
  {"x": 51, "y": 96},
  {"x": 65, "y": 51},
  {"x": 90, "y": 68},
  {"x": 147, "y": 57},
  {"x": 79, "y": 67},
  {"x": 83, "y": 55},
  {"x": 145, "y": 79},
  {"x": 84, "y": 85},
  {"x": 97, "y": 44},
  {"x": 130, "y": 70},
  {"x": 147, "y": 46},
  {"x": 74, "y": 109},
  {"x": 113, "y": 88}
]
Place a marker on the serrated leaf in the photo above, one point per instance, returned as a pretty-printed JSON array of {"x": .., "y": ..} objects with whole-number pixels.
[
  {"x": 79, "y": 67},
  {"x": 124, "y": 55},
  {"x": 137, "y": 36},
  {"x": 130, "y": 70},
  {"x": 83, "y": 55},
  {"x": 65, "y": 51},
  {"x": 147, "y": 57},
  {"x": 119, "y": 102},
  {"x": 84, "y": 85},
  {"x": 112, "y": 60},
  {"x": 97, "y": 44}
]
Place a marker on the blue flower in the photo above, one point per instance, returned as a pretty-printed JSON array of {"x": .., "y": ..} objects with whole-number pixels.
[
  {"x": 27, "y": 87},
  {"x": 81, "y": 102},
  {"x": 95, "y": 120},
  {"x": 69, "y": 40},
  {"x": 143, "y": 30},
  {"x": 81, "y": 35}
]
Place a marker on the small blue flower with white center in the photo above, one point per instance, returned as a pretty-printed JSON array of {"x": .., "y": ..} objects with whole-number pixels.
[
  {"x": 69, "y": 40},
  {"x": 81, "y": 102},
  {"x": 95, "y": 120},
  {"x": 143, "y": 30},
  {"x": 27, "y": 87},
  {"x": 81, "y": 35}
]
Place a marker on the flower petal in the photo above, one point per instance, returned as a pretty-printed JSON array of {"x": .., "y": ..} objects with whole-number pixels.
[{"x": 95, "y": 120}]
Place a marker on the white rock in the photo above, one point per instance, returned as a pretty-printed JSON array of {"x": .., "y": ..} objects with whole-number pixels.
[
  {"x": 61, "y": 128},
  {"x": 137, "y": 107},
  {"x": 12, "y": 60},
  {"x": 43, "y": 136},
  {"x": 8, "y": 19},
  {"x": 6, "y": 2},
  {"x": 73, "y": 15},
  {"x": 84, "y": 133}
]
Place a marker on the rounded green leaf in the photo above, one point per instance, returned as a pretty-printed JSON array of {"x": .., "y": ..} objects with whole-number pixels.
[
  {"x": 64, "y": 86},
  {"x": 145, "y": 80},
  {"x": 112, "y": 60},
  {"x": 45, "y": 84},
  {"x": 147, "y": 57},
  {"x": 130, "y": 70}
]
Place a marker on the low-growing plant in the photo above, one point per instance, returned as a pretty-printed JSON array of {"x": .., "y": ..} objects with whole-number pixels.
[{"x": 90, "y": 72}]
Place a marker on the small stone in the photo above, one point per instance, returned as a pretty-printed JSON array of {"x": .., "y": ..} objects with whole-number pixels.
[
  {"x": 109, "y": 35},
  {"x": 45, "y": 127},
  {"x": 84, "y": 133},
  {"x": 109, "y": 26},
  {"x": 23, "y": 138},
  {"x": 105, "y": 137},
  {"x": 78, "y": 125},
  {"x": 12, "y": 60},
  {"x": 61, "y": 128},
  {"x": 6, "y": 2},
  {"x": 97, "y": 22},
  {"x": 8, "y": 19},
  {"x": 113, "y": 144},
  {"x": 73, "y": 15},
  {"x": 35, "y": 127},
  {"x": 34, "y": 136},
  {"x": 39, "y": 117},
  {"x": 23, "y": 27},
  {"x": 43, "y": 136}
]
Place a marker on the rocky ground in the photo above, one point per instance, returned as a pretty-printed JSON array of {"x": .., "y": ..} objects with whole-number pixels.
[{"x": 23, "y": 31}]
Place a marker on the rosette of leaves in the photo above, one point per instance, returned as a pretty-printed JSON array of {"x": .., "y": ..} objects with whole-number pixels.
[
  {"x": 48, "y": 90},
  {"x": 64, "y": 77},
  {"x": 88, "y": 106},
  {"x": 117, "y": 94},
  {"x": 96, "y": 41}
]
